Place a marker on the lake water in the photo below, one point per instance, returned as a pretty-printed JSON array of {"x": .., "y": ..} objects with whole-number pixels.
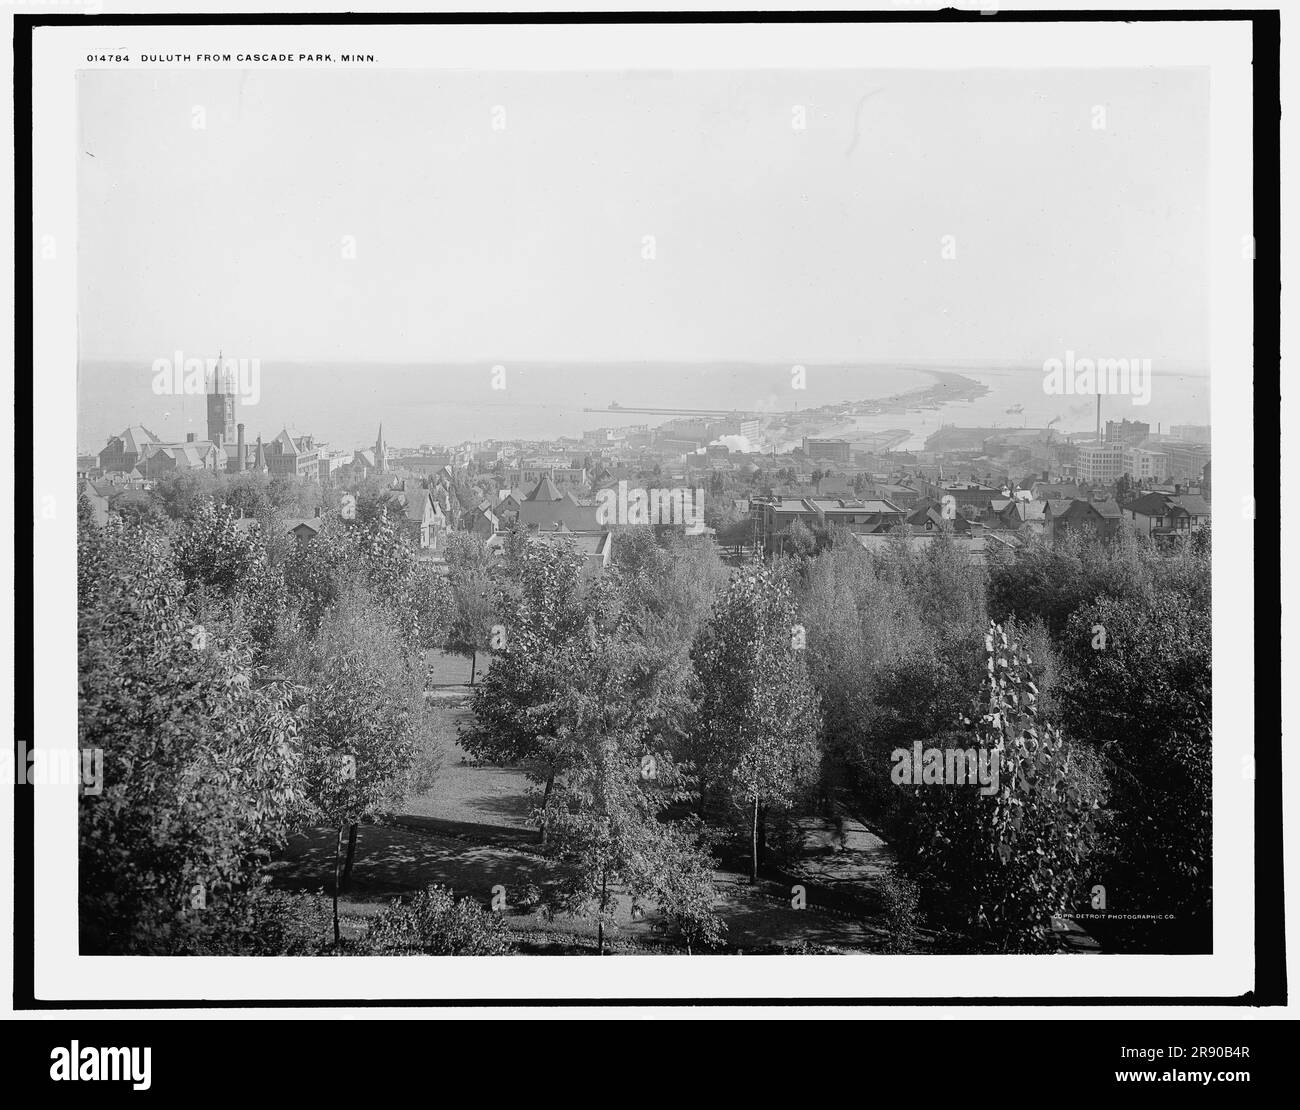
[{"x": 344, "y": 404}]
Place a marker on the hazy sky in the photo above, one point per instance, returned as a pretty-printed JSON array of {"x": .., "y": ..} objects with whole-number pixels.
[{"x": 771, "y": 243}]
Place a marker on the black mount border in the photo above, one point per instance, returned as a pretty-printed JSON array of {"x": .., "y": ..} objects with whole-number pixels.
[{"x": 1270, "y": 940}]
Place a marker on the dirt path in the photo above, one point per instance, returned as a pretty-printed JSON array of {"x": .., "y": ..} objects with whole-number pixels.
[{"x": 473, "y": 832}]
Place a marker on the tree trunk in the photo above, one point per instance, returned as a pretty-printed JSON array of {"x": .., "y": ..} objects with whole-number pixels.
[
  {"x": 338, "y": 844},
  {"x": 600, "y": 916},
  {"x": 753, "y": 861},
  {"x": 352, "y": 854},
  {"x": 473, "y": 664},
  {"x": 546, "y": 797}
]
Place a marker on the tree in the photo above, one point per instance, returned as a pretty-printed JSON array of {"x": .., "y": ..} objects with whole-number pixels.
[
  {"x": 1012, "y": 859},
  {"x": 230, "y": 573},
  {"x": 607, "y": 813},
  {"x": 1139, "y": 688},
  {"x": 759, "y": 717},
  {"x": 200, "y": 754},
  {"x": 519, "y": 705},
  {"x": 364, "y": 744},
  {"x": 472, "y": 607}
]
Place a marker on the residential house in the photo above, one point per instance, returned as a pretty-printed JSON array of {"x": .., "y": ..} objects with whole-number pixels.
[
  {"x": 1097, "y": 518},
  {"x": 547, "y": 509},
  {"x": 1162, "y": 515}
]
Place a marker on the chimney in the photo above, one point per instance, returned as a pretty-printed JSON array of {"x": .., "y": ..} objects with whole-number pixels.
[
  {"x": 239, "y": 453},
  {"x": 190, "y": 437}
]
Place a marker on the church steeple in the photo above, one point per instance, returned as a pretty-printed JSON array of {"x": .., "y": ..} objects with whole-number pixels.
[{"x": 381, "y": 456}]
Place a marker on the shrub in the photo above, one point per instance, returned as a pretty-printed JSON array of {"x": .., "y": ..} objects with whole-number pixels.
[{"x": 433, "y": 923}]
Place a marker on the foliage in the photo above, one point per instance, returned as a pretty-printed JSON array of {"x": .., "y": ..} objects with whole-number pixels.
[
  {"x": 227, "y": 569},
  {"x": 473, "y": 611},
  {"x": 1012, "y": 860},
  {"x": 434, "y": 923},
  {"x": 200, "y": 755},
  {"x": 1144, "y": 701},
  {"x": 363, "y": 722},
  {"x": 758, "y": 714}
]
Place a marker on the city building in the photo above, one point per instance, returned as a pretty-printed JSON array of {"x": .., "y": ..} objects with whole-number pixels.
[
  {"x": 832, "y": 450},
  {"x": 1131, "y": 432},
  {"x": 1185, "y": 460},
  {"x": 123, "y": 452},
  {"x": 298, "y": 457},
  {"x": 1101, "y": 464},
  {"x": 1144, "y": 463}
]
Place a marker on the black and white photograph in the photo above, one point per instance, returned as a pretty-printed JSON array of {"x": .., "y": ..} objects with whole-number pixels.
[{"x": 657, "y": 494}]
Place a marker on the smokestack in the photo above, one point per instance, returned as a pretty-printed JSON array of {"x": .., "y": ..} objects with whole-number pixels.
[
  {"x": 239, "y": 456},
  {"x": 1099, "y": 417}
]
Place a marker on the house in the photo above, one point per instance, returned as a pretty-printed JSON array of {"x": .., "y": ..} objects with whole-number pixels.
[
  {"x": 423, "y": 517},
  {"x": 1162, "y": 514},
  {"x": 974, "y": 548},
  {"x": 545, "y": 509},
  {"x": 597, "y": 546},
  {"x": 98, "y": 502},
  {"x": 864, "y": 516},
  {"x": 1098, "y": 518},
  {"x": 301, "y": 529},
  {"x": 483, "y": 522},
  {"x": 928, "y": 517}
]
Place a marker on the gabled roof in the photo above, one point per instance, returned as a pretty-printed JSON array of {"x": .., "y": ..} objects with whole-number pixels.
[
  {"x": 546, "y": 491},
  {"x": 135, "y": 437},
  {"x": 1192, "y": 504},
  {"x": 1160, "y": 504},
  {"x": 417, "y": 504}
]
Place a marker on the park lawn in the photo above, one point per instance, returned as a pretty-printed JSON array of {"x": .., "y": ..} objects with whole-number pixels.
[{"x": 473, "y": 832}]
